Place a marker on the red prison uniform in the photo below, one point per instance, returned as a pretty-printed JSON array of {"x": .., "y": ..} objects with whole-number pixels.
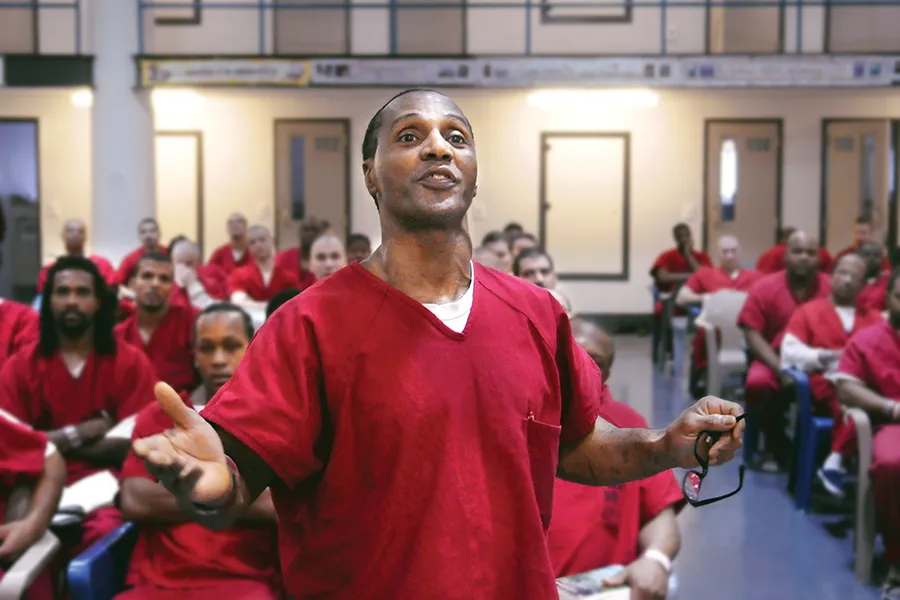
[
  {"x": 709, "y": 280},
  {"x": 673, "y": 261},
  {"x": 772, "y": 260},
  {"x": 873, "y": 358},
  {"x": 170, "y": 347},
  {"x": 874, "y": 295},
  {"x": 22, "y": 455},
  {"x": 250, "y": 281},
  {"x": 224, "y": 258},
  {"x": 290, "y": 260},
  {"x": 412, "y": 458},
  {"x": 178, "y": 561},
  {"x": 107, "y": 272},
  {"x": 43, "y": 393},
  {"x": 129, "y": 264},
  {"x": 596, "y": 527},
  {"x": 18, "y": 328},
  {"x": 213, "y": 279},
  {"x": 768, "y": 309},
  {"x": 817, "y": 324},
  {"x": 885, "y": 261}
]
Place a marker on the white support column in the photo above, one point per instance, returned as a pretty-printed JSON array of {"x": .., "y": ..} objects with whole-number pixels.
[{"x": 122, "y": 130}]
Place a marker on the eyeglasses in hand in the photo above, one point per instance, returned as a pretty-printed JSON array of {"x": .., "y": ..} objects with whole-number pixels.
[{"x": 693, "y": 480}]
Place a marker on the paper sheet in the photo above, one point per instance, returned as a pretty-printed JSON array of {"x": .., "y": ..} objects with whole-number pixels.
[
  {"x": 90, "y": 493},
  {"x": 123, "y": 429}
]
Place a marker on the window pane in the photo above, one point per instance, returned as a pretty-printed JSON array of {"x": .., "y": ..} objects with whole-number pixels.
[{"x": 728, "y": 178}]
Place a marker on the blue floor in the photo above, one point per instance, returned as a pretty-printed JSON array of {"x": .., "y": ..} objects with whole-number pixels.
[{"x": 754, "y": 546}]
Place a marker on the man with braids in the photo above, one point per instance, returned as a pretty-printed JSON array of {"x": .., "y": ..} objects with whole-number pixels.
[
  {"x": 76, "y": 382},
  {"x": 411, "y": 411}
]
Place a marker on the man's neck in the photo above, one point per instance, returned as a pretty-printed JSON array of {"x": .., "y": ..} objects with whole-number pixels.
[
  {"x": 843, "y": 302},
  {"x": 730, "y": 270},
  {"x": 801, "y": 282},
  {"x": 266, "y": 265},
  {"x": 74, "y": 251},
  {"x": 429, "y": 266},
  {"x": 81, "y": 346},
  {"x": 150, "y": 319},
  {"x": 240, "y": 245}
]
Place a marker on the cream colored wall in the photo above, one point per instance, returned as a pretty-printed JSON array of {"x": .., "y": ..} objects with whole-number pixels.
[
  {"x": 667, "y": 159},
  {"x": 64, "y": 145}
]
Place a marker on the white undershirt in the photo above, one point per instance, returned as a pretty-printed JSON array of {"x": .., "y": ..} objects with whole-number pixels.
[
  {"x": 455, "y": 314},
  {"x": 237, "y": 254},
  {"x": 796, "y": 354},
  {"x": 266, "y": 276}
]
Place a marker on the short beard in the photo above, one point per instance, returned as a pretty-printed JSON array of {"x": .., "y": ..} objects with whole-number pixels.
[
  {"x": 75, "y": 331},
  {"x": 152, "y": 308}
]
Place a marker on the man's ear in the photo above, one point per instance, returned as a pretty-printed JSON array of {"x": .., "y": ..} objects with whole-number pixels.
[{"x": 369, "y": 176}]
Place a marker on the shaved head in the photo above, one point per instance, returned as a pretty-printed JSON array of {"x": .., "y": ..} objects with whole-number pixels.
[
  {"x": 801, "y": 259},
  {"x": 729, "y": 253},
  {"x": 74, "y": 235},
  {"x": 598, "y": 344}
]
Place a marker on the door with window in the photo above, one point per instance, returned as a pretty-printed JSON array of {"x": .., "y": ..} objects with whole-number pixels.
[
  {"x": 743, "y": 181},
  {"x": 311, "y": 176},
  {"x": 856, "y": 178}
]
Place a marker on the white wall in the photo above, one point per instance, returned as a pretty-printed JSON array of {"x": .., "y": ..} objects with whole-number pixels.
[
  {"x": 64, "y": 147},
  {"x": 667, "y": 159}
]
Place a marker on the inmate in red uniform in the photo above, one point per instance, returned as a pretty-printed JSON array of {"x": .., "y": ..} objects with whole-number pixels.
[
  {"x": 290, "y": 260},
  {"x": 22, "y": 454},
  {"x": 223, "y": 257},
  {"x": 126, "y": 269},
  {"x": 595, "y": 527},
  {"x": 371, "y": 411},
  {"x": 18, "y": 328},
  {"x": 873, "y": 357},
  {"x": 772, "y": 260},
  {"x": 768, "y": 309},
  {"x": 170, "y": 347},
  {"x": 187, "y": 560},
  {"x": 250, "y": 281},
  {"x": 885, "y": 261},
  {"x": 213, "y": 279},
  {"x": 874, "y": 295},
  {"x": 43, "y": 393},
  {"x": 107, "y": 272},
  {"x": 818, "y": 325},
  {"x": 710, "y": 280}
]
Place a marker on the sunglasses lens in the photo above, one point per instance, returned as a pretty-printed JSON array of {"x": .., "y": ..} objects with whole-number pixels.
[{"x": 691, "y": 486}]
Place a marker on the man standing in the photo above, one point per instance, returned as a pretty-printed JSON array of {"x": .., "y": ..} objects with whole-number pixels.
[
  {"x": 74, "y": 236},
  {"x": 411, "y": 411}
]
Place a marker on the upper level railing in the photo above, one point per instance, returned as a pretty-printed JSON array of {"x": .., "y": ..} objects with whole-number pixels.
[
  {"x": 461, "y": 28},
  {"x": 41, "y": 27}
]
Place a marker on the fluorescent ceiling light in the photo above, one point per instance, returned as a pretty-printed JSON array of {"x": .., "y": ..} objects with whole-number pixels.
[
  {"x": 176, "y": 100},
  {"x": 587, "y": 99},
  {"x": 82, "y": 99}
]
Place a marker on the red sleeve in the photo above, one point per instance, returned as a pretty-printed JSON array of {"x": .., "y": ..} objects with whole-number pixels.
[
  {"x": 125, "y": 270},
  {"x": 704, "y": 260},
  {"x": 42, "y": 279},
  {"x": 135, "y": 379},
  {"x": 582, "y": 387},
  {"x": 26, "y": 330},
  {"x": 658, "y": 493},
  {"x": 15, "y": 396},
  {"x": 697, "y": 282},
  {"x": 799, "y": 326},
  {"x": 106, "y": 269},
  {"x": 752, "y": 314},
  {"x": 663, "y": 261},
  {"x": 272, "y": 403},
  {"x": 886, "y": 264},
  {"x": 149, "y": 422},
  {"x": 215, "y": 282},
  {"x": 853, "y": 361},
  {"x": 216, "y": 258},
  {"x": 22, "y": 449},
  {"x": 237, "y": 281}
]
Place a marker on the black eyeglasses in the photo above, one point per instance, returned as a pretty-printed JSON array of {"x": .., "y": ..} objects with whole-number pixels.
[{"x": 693, "y": 480}]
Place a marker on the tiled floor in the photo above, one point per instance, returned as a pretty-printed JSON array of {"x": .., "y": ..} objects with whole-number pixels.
[{"x": 754, "y": 546}]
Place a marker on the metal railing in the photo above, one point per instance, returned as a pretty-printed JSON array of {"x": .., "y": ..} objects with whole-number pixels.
[
  {"x": 799, "y": 11},
  {"x": 73, "y": 6}
]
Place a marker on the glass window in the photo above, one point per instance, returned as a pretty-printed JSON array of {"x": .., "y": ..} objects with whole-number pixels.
[{"x": 728, "y": 178}]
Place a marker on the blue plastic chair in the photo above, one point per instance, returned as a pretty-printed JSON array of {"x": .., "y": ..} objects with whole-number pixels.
[
  {"x": 98, "y": 573},
  {"x": 813, "y": 434}
]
